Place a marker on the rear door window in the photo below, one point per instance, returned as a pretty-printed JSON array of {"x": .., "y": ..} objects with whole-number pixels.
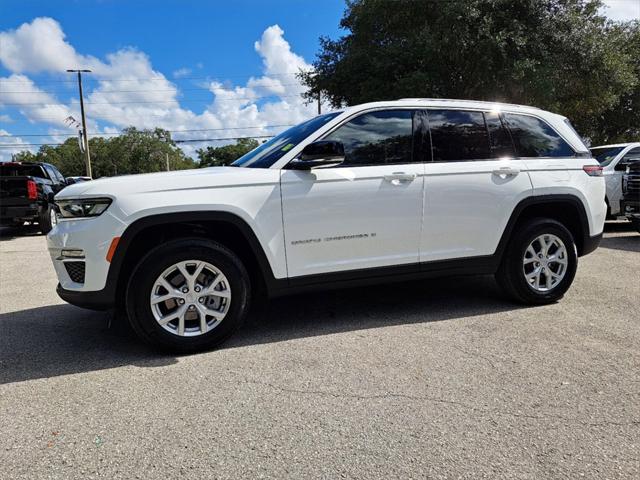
[
  {"x": 534, "y": 138},
  {"x": 458, "y": 135}
]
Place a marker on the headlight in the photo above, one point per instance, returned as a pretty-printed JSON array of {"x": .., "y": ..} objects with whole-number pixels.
[{"x": 82, "y": 207}]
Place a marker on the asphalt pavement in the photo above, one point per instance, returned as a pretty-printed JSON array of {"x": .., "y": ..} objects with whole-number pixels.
[{"x": 434, "y": 379}]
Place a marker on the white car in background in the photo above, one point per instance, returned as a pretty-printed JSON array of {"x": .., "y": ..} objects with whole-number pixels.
[{"x": 614, "y": 160}]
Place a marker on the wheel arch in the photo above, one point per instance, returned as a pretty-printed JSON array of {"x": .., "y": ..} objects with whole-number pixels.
[
  {"x": 564, "y": 208},
  {"x": 226, "y": 228}
]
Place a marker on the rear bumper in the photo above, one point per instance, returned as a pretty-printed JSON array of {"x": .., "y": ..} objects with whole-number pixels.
[
  {"x": 97, "y": 300},
  {"x": 10, "y": 214},
  {"x": 589, "y": 244}
]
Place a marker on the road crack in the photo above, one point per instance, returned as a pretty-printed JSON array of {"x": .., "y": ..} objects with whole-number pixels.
[{"x": 473, "y": 408}]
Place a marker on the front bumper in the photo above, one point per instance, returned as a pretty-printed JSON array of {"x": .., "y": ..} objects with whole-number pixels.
[
  {"x": 630, "y": 208},
  {"x": 97, "y": 300},
  {"x": 92, "y": 236}
]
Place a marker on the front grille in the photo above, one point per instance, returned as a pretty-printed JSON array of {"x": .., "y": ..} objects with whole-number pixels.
[
  {"x": 75, "y": 271},
  {"x": 633, "y": 185}
]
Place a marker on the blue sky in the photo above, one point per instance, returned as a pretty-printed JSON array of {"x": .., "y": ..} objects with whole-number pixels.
[
  {"x": 175, "y": 34},
  {"x": 191, "y": 44},
  {"x": 202, "y": 69}
]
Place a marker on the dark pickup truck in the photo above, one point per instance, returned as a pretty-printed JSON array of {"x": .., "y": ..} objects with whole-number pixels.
[
  {"x": 26, "y": 194},
  {"x": 630, "y": 203}
]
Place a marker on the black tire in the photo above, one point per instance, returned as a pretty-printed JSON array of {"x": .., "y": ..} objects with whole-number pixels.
[
  {"x": 160, "y": 258},
  {"x": 635, "y": 223},
  {"x": 44, "y": 218},
  {"x": 510, "y": 275}
]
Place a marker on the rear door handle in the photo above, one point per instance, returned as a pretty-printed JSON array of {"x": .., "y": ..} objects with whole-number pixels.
[
  {"x": 400, "y": 177},
  {"x": 507, "y": 171}
]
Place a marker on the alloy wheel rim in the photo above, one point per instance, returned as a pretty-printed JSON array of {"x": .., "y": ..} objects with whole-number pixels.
[
  {"x": 190, "y": 298},
  {"x": 545, "y": 262}
]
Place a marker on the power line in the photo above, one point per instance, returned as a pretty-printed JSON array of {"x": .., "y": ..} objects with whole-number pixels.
[
  {"x": 122, "y": 131},
  {"x": 195, "y": 140},
  {"x": 163, "y": 78},
  {"x": 14, "y": 145},
  {"x": 207, "y": 89},
  {"x": 178, "y": 100},
  {"x": 114, "y": 117}
]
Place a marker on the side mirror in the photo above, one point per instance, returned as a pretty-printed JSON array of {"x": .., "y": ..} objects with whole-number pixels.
[{"x": 323, "y": 153}]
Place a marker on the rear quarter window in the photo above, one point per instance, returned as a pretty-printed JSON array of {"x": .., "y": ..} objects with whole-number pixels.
[{"x": 535, "y": 138}]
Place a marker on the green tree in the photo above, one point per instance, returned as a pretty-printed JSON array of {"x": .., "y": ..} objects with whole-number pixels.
[
  {"x": 135, "y": 151},
  {"x": 621, "y": 122},
  {"x": 142, "y": 151},
  {"x": 23, "y": 156},
  {"x": 561, "y": 55},
  {"x": 227, "y": 154}
]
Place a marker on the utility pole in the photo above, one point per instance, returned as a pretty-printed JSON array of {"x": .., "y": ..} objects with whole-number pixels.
[
  {"x": 319, "y": 106},
  {"x": 167, "y": 157},
  {"x": 87, "y": 159}
]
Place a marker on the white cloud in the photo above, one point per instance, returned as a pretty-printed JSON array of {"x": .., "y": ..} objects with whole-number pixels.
[
  {"x": 622, "y": 9},
  {"x": 7, "y": 152},
  {"x": 130, "y": 92},
  {"x": 6, "y": 118},
  {"x": 276, "y": 53},
  {"x": 40, "y": 46},
  {"x": 181, "y": 72},
  {"x": 20, "y": 92}
]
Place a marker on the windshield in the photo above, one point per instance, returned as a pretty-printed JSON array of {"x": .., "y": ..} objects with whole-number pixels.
[
  {"x": 605, "y": 155},
  {"x": 271, "y": 151}
]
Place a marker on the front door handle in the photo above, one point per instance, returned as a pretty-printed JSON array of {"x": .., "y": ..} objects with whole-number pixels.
[
  {"x": 507, "y": 171},
  {"x": 397, "y": 178}
]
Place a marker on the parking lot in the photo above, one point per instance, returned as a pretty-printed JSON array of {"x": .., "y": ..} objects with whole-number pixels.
[{"x": 440, "y": 378}]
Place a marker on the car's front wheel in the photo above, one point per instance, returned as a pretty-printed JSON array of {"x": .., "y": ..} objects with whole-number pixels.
[
  {"x": 188, "y": 295},
  {"x": 540, "y": 262}
]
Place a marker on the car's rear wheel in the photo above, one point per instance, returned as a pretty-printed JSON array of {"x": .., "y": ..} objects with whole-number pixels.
[
  {"x": 540, "y": 262},
  {"x": 47, "y": 218},
  {"x": 188, "y": 295}
]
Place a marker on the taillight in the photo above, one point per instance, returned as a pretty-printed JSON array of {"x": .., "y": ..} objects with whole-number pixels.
[
  {"x": 593, "y": 170},
  {"x": 32, "y": 190}
]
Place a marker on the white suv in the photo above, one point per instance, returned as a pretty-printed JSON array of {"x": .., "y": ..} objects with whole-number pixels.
[
  {"x": 373, "y": 193},
  {"x": 614, "y": 160}
]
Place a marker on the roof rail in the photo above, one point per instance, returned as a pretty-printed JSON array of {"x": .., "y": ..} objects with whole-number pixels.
[{"x": 469, "y": 101}]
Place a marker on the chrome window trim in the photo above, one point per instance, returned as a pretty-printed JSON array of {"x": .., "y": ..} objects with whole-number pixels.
[{"x": 319, "y": 136}]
